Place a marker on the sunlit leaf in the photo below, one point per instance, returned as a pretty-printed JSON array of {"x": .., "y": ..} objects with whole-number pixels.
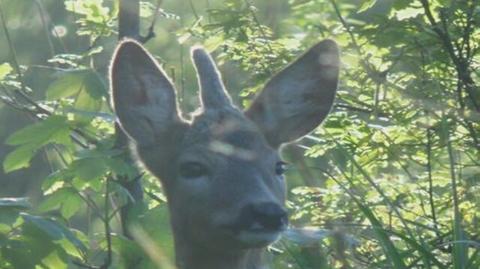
[
  {"x": 19, "y": 158},
  {"x": 367, "y": 4},
  {"x": 5, "y": 69}
]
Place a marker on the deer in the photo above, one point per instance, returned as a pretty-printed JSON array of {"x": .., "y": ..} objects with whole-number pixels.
[{"x": 221, "y": 170}]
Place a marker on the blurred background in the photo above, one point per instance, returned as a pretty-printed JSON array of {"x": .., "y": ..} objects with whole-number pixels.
[{"x": 390, "y": 180}]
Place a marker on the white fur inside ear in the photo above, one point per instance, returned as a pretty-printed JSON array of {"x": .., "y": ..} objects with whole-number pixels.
[
  {"x": 327, "y": 59},
  {"x": 329, "y": 63}
]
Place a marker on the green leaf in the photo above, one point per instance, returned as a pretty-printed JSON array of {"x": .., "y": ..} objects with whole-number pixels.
[
  {"x": 47, "y": 226},
  {"x": 8, "y": 217},
  {"x": 55, "y": 180},
  {"x": 38, "y": 227},
  {"x": 66, "y": 85},
  {"x": 85, "y": 86},
  {"x": 401, "y": 4},
  {"x": 54, "y": 260},
  {"x": 213, "y": 42},
  {"x": 426, "y": 253},
  {"x": 84, "y": 102},
  {"x": 5, "y": 69},
  {"x": 156, "y": 223},
  {"x": 408, "y": 13},
  {"x": 71, "y": 206},
  {"x": 89, "y": 168},
  {"x": 19, "y": 158},
  {"x": 9, "y": 212},
  {"x": 53, "y": 129},
  {"x": 390, "y": 249},
  {"x": 120, "y": 167},
  {"x": 56, "y": 199},
  {"x": 16, "y": 251},
  {"x": 93, "y": 10},
  {"x": 129, "y": 252},
  {"x": 367, "y": 4},
  {"x": 73, "y": 236}
]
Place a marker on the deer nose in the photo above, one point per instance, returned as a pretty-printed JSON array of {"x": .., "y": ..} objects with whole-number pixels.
[{"x": 270, "y": 216}]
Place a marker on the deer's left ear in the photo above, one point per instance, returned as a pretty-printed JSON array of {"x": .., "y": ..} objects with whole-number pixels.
[
  {"x": 299, "y": 98},
  {"x": 142, "y": 95}
]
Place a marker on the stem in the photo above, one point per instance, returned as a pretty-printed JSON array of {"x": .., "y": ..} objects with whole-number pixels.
[
  {"x": 377, "y": 188},
  {"x": 151, "y": 29},
  {"x": 45, "y": 28},
  {"x": 129, "y": 26},
  {"x": 192, "y": 7},
  {"x": 458, "y": 249},
  {"x": 108, "y": 259},
  {"x": 259, "y": 26},
  {"x": 12, "y": 49},
  {"x": 430, "y": 179}
]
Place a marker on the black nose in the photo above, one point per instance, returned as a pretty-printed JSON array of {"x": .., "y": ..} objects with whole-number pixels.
[{"x": 270, "y": 215}]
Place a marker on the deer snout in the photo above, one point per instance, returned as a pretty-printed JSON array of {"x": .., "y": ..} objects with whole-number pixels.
[
  {"x": 269, "y": 216},
  {"x": 260, "y": 224}
]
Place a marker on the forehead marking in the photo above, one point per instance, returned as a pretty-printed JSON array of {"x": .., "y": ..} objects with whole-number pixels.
[
  {"x": 240, "y": 143},
  {"x": 228, "y": 133},
  {"x": 230, "y": 150}
]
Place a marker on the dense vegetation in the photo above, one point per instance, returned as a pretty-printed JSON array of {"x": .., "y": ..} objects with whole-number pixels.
[{"x": 391, "y": 179}]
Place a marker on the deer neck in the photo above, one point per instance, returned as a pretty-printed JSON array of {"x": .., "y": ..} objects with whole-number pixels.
[{"x": 191, "y": 256}]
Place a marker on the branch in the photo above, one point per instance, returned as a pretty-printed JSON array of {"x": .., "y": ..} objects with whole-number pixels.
[
  {"x": 129, "y": 19},
  {"x": 12, "y": 49},
  {"x": 129, "y": 26},
  {"x": 108, "y": 259},
  {"x": 461, "y": 64},
  {"x": 151, "y": 29},
  {"x": 430, "y": 178}
]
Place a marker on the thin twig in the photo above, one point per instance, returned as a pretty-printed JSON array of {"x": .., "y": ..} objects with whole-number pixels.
[
  {"x": 49, "y": 22},
  {"x": 151, "y": 29},
  {"x": 22, "y": 92},
  {"x": 106, "y": 222},
  {"x": 84, "y": 265},
  {"x": 45, "y": 28},
  {"x": 12, "y": 49},
  {"x": 259, "y": 25},
  {"x": 192, "y": 7},
  {"x": 430, "y": 178},
  {"x": 154, "y": 197},
  {"x": 461, "y": 64},
  {"x": 377, "y": 188}
]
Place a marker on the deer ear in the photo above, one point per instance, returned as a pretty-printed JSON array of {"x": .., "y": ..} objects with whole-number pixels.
[
  {"x": 143, "y": 97},
  {"x": 298, "y": 98},
  {"x": 212, "y": 91}
]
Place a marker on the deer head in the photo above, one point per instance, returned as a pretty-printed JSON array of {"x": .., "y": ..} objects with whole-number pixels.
[{"x": 221, "y": 171}]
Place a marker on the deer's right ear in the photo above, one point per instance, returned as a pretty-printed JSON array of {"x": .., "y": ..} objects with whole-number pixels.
[
  {"x": 143, "y": 97},
  {"x": 298, "y": 98}
]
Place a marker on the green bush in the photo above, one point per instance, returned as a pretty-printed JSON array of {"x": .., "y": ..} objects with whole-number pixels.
[{"x": 391, "y": 179}]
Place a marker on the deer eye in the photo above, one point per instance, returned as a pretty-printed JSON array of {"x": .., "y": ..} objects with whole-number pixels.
[
  {"x": 280, "y": 168},
  {"x": 192, "y": 170}
]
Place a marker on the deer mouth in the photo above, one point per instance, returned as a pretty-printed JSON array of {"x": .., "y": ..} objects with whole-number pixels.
[
  {"x": 257, "y": 225},
  {"x": 254, "y": 235},
  {"x": 258, "y": 236}
]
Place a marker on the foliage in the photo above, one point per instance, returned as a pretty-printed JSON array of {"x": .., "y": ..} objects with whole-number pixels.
[{"x": 391, "y": 179}]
